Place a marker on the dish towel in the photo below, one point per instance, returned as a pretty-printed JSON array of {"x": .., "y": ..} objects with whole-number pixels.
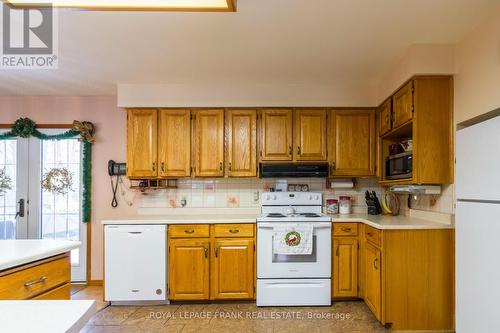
[{"x": 293, "y": 238}]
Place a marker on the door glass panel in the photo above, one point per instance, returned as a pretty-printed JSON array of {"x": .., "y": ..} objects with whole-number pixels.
[
  {"x": 60, "y": 214},
  {"x": 8, "y": 158}
]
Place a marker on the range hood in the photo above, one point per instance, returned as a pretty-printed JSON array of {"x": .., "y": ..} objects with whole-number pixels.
[
  {"x": 293, "y": 170},
  {"x": 416, "y": 189}
]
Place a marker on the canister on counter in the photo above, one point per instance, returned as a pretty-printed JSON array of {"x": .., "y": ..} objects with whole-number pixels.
[
  {"x": 345, "y": 204},
  {"x": 332, "y": 206}
]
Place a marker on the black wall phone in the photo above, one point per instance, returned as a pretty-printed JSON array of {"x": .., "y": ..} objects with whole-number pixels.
[{"x": 116, "y": 169}]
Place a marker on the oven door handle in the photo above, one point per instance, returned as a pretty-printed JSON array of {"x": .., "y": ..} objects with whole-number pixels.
[{"x": 264, "y": 225}]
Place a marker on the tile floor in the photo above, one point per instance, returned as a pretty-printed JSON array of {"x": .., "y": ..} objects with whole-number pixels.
[{"x": 244, "y": 317}]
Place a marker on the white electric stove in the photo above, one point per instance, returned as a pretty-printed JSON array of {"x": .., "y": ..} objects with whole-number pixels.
[{"x": 293, "y": 280}]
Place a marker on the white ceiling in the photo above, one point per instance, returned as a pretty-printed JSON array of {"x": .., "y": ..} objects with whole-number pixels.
[{"x": 265, "y": 42}]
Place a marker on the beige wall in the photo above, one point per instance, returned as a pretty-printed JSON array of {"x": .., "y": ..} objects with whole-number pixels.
[
  {"x": 418, "y": 59},
  {"x": 110, "y": 144},
  {"x": 477, "y": 80}
]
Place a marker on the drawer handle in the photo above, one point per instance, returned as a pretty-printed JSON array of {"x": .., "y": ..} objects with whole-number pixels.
[
  {"x": 234, "y": 231},
  {"x": 337, "y": 252},
  {"x": 189, "y": 231},
  {"x": 39, "y": 280},
  {"x": 216, "y": 251},
  {"x": 375, "y": 263},
  {"x": 344, "y": 229},
  {"x": 206, "y": 252},
  {"x": 135, "y": 232},
  {"x": 369, "y": 234}
]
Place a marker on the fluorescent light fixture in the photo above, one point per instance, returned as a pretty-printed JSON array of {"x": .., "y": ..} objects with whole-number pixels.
[{"x": 145, "y": 5}]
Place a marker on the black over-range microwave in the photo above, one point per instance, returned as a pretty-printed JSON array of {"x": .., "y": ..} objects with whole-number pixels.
[{"x": 399, "y": 166}]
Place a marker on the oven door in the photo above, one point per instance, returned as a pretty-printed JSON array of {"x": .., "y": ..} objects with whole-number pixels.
[{"x": 315, "y": 265}]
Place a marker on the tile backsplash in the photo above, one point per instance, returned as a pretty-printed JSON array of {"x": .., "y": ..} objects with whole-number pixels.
[{"x": 241, "y": 193}]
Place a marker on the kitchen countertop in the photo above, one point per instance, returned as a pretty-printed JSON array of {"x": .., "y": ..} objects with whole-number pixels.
[
  {"x": 376, "y": 221},
  {"x": 186, "y": 219},
  {"x": 45, "y": 316},
  {"x": 22, "y": 251},
  {"x": 388, "y": 222}
]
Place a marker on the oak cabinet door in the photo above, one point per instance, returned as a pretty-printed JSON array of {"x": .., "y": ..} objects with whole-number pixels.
[
  {"x": 276, "y": 135},
  {"x": 345, "y": 267},
  {"x": 402, "y": 102},
  {"x": 142, "y": 128},
  {"x": 241, "y": 143},
  {"x": 385, "y": 117},
  {"x": 174, "y": 143},
  {"x": 233, "y": 269},
  {"x": 189, "y": 277},
  {"x": 353, "y": 146},
  {"x": 373, "y": 280},
  {"x": 209, "y": 143},
  {"x": 310, "y": 135}
]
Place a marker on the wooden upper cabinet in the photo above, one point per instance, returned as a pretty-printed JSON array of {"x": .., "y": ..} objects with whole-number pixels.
[
  {"x": 310, "y": 135},
  {"x": 209, "y": 143},
  {"x": 233, "y": 269},
  {"x": 385, "y": 117},
  {"x": 402, "y": 103},
  {"x": 276, "y": 135},
  {"x": 142, "y": 128},
  {"x": 373, "y": 280},
  {"x": 345, "y": 267},
  {"x": 353, "y": 143},
  {"x": 189, "y": 275},
  {"x": 174, "y": 143},
  {"x": 241, "y": 143}
]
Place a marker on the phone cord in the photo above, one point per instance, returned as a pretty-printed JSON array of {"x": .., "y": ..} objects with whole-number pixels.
[{"x": 114, "y": 188}]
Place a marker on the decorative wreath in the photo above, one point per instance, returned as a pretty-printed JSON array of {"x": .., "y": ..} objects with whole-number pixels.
[
  {"x": 5, "y": 182},
  {"x": 292, "y": 238},
  {"x": 57, "y": 181},
  {"x": 23, "y": 127}
]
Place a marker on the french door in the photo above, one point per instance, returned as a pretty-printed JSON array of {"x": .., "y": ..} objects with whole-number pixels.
[{"x": 27, "y": 211}]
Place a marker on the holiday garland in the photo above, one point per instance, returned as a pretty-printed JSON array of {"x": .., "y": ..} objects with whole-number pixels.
[{"x": 25, "y": 127}]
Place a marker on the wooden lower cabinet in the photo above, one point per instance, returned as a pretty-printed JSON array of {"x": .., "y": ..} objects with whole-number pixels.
[
  {"x": 44, "y": 279},
  {"x": 404, "y": 276},
  {"x": 189, "y": 262},
  {"x": 233, "y": 269},
  {"x": 345, "y": 267},
  {"x": 220, "y": 265},
  {"x": 373, "y": 280}
]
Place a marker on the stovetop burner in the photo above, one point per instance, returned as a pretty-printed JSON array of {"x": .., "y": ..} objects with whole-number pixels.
[{"x": 275, "y": 215}]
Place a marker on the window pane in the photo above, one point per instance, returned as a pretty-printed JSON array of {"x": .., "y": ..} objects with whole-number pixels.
[
  {"x": 61, "y": 212},
  {"x": 8, "y": 157}
]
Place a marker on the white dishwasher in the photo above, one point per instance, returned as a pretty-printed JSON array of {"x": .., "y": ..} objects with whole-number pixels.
[{"x": 135, "y": 263}]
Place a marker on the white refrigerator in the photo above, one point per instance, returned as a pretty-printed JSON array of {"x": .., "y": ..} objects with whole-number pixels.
[{"x": 477, "y": 225}]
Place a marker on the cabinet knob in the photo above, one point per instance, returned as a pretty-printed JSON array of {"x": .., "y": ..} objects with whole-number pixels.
[
  {"x": 333, "y": 166},
  {"x": 290, "y": 150},
  {"x": 344, "y": 229},
  {"x": 369, "y": 234},
  {"x": 234, "y": 231},
  {"x": 220, "y": 166},
  {"x": 375, "y": 263},
  {"x": 162, "y": 166},
  {"x": 206, "y": 252},
  {"x": 189, "y": 231},
  {"x": 337, "y": 251},
  {"x": 154, "y": 166},
  {"x": 230, "y": 166},
  {"x": 298, "y": 150},
  {"x": 216, "y": 251}
]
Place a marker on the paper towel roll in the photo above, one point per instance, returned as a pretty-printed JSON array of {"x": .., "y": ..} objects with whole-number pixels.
[{"x": 342, "y": 183}]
